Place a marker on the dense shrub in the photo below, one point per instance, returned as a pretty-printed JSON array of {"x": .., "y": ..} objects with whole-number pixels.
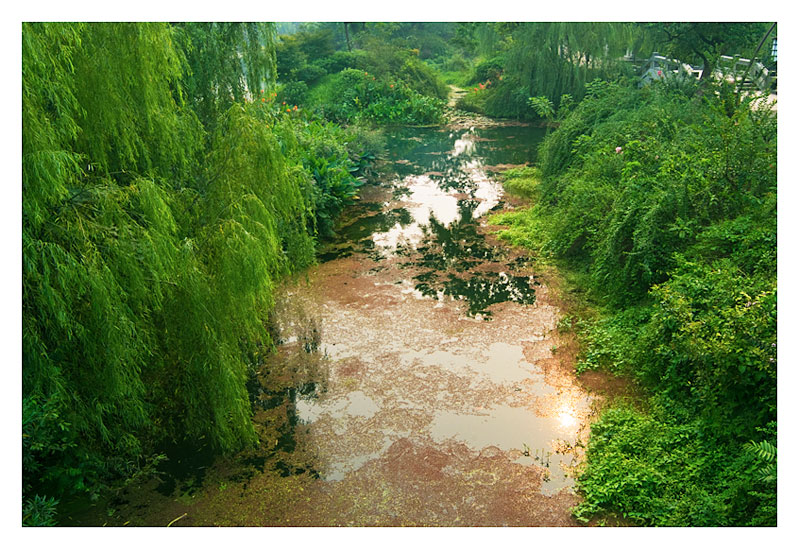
[
  {"x": 634, "y": 185},
  {"x": 293, "y": 93},
  {"x": 311, "y": 73},
  {"x": 297, "y": 55},
  {"x": 662, "y": 472},
  {"x": 354, "y": 95},
  {"x": 666, "y": 201},
  {"x": 341, "y": 60},
  {"x": 488, "y": 69},
  {"x": 387, "y": 61}
]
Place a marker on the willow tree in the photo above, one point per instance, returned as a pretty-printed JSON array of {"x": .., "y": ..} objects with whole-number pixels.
[
  {"x": 227, "y": 62},
  {"x": 150, "y": 246},
  {"x": 553, "y": 59},
  {"x": 96, "y": 238},
  {"x": 550, "y": 60}
]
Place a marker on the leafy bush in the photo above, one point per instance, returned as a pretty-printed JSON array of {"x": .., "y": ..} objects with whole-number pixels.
[
  {"x": 386, "y": 61},
  {"x": 341, "y": 60},
  {"x": 488, "y": 69},
  {"x": 666, "y": 201},
  {"x": 658, "y": 472},
  {"x": 39, "y": 512},
  {"x": 310, "y": 73},
  {"x": 297, "y": 55},
  {"x": 472, "y": 102},
  {"x": 321, "y": 150},
  {"x": 354, "y": 95},
  {"x": 293, "y": 93},
  {"x": 521, "y": 181},
  {"x": 507, "y": 99}
]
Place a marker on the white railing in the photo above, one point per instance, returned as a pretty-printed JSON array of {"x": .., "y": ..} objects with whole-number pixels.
[{"x": 731, "y": 68}]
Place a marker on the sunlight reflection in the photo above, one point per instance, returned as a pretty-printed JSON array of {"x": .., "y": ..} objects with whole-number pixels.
[{"x": 567, "y": 417}]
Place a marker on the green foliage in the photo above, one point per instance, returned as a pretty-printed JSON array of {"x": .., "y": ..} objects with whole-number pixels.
[
  {"x": 353, "y": 95},
  {"x": 487, "y": 69},
  {"x": 325, "y": 156},
  {"x": 293, "y": 93},
  {"x": 299, "y": 55},
  {"x": 703, "y": 43},
  {"x": 96, "y": 248},
  {"x": 639, "y": 175},
  {"x": 522, "y": 182},
  {"x": 225, "y": 61},
  {"x": 39, "y": 512},
  {"x": 338, "y": 61},
  {"x": 160, "y": 208},
  {"x": 472, "y": 102},
  {"x": 713, "y": 336},
  {"x": 400, "y": 88},
  {"x": 766, "y": 453},
  {"x": 507, "y": 98},
  {"x": 542, "y": 106},
  {"x": 658, "y": 472},
  {"x": 547, "y": 60},
  {"x": 398, "y": 59},
  {"x": 612, "y": 341},
  {"x": 666, "y": 201}
]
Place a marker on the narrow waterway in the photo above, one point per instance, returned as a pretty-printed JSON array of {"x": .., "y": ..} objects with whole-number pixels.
[
  {"x": 444, "y": 403},
  {"x": 420, "y": 377}
]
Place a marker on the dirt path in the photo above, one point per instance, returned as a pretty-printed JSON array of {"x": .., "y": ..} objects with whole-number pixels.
[{"x": 455, "y": 94}]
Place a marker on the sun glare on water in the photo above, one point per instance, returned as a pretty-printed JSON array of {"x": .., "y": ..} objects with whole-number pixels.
[{"x": 567, "y": 418}]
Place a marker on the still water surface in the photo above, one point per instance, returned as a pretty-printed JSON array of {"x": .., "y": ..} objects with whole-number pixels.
[{"x": 443, "y": 388}]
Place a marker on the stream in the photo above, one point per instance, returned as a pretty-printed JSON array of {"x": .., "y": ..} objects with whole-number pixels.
[
  {"x": 420, "y": 379},
  {"x": 444, "y": 403}
]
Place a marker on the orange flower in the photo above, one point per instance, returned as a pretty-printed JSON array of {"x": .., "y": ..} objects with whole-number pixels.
[
  {"x": 262, "y": 90},
  {"x": 295, "y": 107},
  {"x": 288, "y": 110},
  {"x": 263, "y": 100},
  {"x": 391, "y": 85}
]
